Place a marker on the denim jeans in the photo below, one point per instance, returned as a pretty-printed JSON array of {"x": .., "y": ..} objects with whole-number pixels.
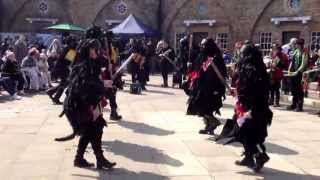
[{"x": 8, "y": 84}]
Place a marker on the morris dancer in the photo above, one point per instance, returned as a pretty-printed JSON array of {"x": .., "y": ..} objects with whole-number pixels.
[{"x": 204, "y": 87}]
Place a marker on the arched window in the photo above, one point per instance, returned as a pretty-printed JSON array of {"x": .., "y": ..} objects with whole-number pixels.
[
  {"x": 43, "y": 7},
  {"x": 122, "y": 8},
  {"x": 294, "y": 4}
]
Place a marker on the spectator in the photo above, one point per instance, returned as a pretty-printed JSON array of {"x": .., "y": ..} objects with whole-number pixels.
[
  {"x": 9, "y": 85},
  {"x": 21, "y": 48},
  {"x": 237, "y": 51},
  {"x": 53, "y": 53},
  {"x": 227, "y": 57},
  {"x": 12, "y": 70},
  {"x": 289, "y": 48},
  {"x": 313, "y": 73},
  {"x": 297, "y": 67},
  {"x": 44, "y": 70},
  {"x": 279, "y": 63},
  {"x": 29, "y": 67}
]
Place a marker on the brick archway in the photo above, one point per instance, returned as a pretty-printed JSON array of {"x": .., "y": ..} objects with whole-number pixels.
[
  {"x": 257, "y": 20},
  {"x": 143, "y": 13},
  {"x": 181, "y": 4},
  {"x": 106, "y": 4},
  {"x": 16, "y": 16},
  {"x": 171, "y": 16}
]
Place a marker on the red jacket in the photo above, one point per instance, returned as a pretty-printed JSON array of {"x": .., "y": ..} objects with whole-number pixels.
[{"x": 278, "y": 67}]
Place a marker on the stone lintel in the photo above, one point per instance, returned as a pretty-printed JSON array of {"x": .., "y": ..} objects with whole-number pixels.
[
  {"x": 303, "y": 19},
  {"x": 51, "y": 20},
  {"x": 112, "y": 21},
  {"x": 210, "y": 22}
]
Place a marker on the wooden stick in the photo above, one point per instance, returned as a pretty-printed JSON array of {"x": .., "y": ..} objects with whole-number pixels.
[{"x": 190, "y": 47}]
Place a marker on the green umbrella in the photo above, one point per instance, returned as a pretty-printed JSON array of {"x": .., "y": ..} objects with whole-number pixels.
[{"x": 66, "y": 27}]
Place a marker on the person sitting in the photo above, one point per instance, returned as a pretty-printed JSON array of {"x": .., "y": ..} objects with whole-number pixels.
[
  {"x": 29, "y": 67},
  {"x": 8, "y": 84},
  {"x": 11, "y": 69}
]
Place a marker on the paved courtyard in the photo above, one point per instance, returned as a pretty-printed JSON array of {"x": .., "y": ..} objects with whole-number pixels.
[{"x": 155, "y": 141}]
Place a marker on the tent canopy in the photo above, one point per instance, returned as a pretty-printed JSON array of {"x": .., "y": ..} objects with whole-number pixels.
[{"x": 132, "y": 26}]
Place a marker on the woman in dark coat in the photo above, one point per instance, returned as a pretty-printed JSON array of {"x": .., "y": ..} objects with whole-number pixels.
[
  {"x": 204, "y": 88},
  {"x": 84, "y": 101},
  {"x": 253, "y": 115}
]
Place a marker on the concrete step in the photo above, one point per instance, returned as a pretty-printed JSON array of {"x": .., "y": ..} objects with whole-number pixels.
[
  {"x": 313, "y": 94},
  {"x": 312, "y": 102},
  {"x": 313, "y": 86}
]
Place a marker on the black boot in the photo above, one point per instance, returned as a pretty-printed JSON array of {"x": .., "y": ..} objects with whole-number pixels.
[
  {"x": 79, "y": 161},
  {"x": 299, "y": 107},
  {"x": 261, "y": 159},
  {"x": 292, "y": 107},
  {"x": 213, "y": 124},
  {"x": 206, "y": 128},
  {"x": 271, "y": 102},
  {"x": 204, "y": 131},
  {"x": 115, "y": 116},
  {"x": 102, "y": 163},
  {"x": 165, "y": 83},
  {"x": 246, "y": 161},
  {"x": 82, "y": 163}
]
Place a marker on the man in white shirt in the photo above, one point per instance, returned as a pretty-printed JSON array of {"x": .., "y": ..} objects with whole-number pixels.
[{"x": 287, "y": 48}]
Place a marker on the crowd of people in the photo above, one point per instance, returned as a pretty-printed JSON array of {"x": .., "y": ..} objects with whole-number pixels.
[
  {"x": 291, "y": 69},
  {"x": 23, "y": 67},
  {"x": 89, "y": 71}
]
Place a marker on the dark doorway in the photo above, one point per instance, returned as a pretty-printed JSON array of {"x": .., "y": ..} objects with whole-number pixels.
[
  {"x": 198, "y": 36},
  {"x": 287, "y": 35}
]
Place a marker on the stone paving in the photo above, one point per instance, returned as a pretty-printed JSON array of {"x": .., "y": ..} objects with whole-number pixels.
[{"x": 155, "y": 141}]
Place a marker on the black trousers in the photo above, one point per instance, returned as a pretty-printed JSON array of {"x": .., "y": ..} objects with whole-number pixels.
[
  {"x": 165, "y": 68},
  {"x": 91, "y": 134},
  {"x": 275, "y": 91},
  {"x": 111, "y": 94},
  {"x": 142, "y": 77},
  {"x": 58, "y": 90},
  {"x": 297, "y": 91},
  {"x": 134, "y": 72},
  {"x": 286, "y": 85},
  {"x": 19, "y": 79},
  {"x": 250, "y": 149}
]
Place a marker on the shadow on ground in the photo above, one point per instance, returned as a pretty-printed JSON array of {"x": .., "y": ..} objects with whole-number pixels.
[
  {"x": 121, "y": 174},
  {"x": 273, "y": 174},
  {"x": 6, "y": 97},
  {"x": 271, "y": 147},
  {"x": 306, "y": 109},
  {"x": 140, "y": 153},
  {"x": 160, "y": 92},
  {"x": 143, "y": 128}
]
